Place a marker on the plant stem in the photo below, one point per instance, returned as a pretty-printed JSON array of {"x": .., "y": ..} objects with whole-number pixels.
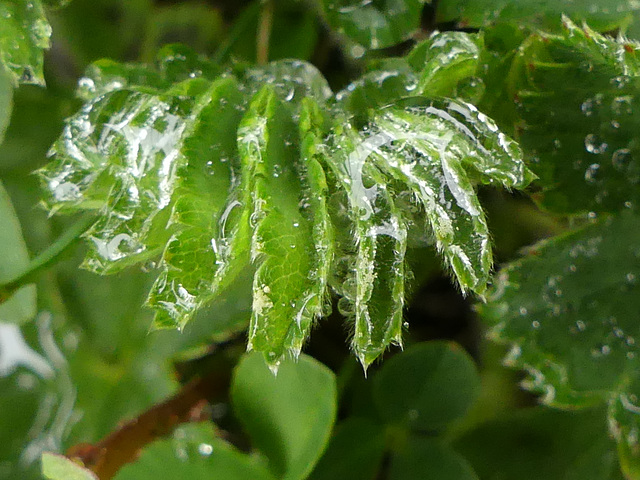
[
  {"x": 264, "y": 32},
  {"x": 46, "y": 258}
]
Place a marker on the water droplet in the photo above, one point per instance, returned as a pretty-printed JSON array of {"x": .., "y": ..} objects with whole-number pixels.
[
  {"x": 590, "y": 175},
  {"x": 581, "y": 326},
  {"x": 535, "y": 324},
  {"x": 523, "y": 311},
  {"x": 594, "y": 145},
  {"x": 205, "y": 449}
]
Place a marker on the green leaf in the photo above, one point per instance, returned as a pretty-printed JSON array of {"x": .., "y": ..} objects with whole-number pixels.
[
  {"x": 21, "y": 307},
  {"x": 448, "y": 64},
  {"x": 364, "y": 441},
  {"x": 6, "y": 101},
  {"x": 293, "y": 418},
  {"x": 194, "y": 256},
  {"x": 194, "y": 452},
  {"x": 569, "y": 310},
  {"x": 536, "y": 443},
  {"x": 575, "y": 96},
  {"x": 287, "y": 290},
  {"x": 434, "y": 149},
  {"x": 427, "y": 386},
  {"x": 429, "y": 459},
  {"x": 374, "y": 24},
  {"x": 372, "y": 255},
  {"x": 58, "y": 467},
  {"x": 604, "y": 15},
  {"x": 24, "y": 34}
]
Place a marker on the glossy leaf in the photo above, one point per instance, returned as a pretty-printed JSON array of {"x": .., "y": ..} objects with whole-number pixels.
[
  {"x": 605, "y": 15},
  {"x": 427, "y": 387},
  {"x": 569, "y": 311},
  {"x": 435, "y": 148},
  {"x": 58, "y": 467},
  {"x": 289, "y": 417},
  {"x": 448, "y": 64},
  {"x": 145, "y": 154},
  {"x": 287, "y": 292},
  {"x": 203, "y": 183},
  {"x": 21, "y": 306},
  {"x": 194, "y": 451},
  {"x": 24, "y": 34},
  {"x": 374, "y": 24}
]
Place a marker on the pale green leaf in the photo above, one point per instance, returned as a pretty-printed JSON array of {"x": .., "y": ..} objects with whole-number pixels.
[
  {"x": 21, "y": 306},
  {"x": 58, "y": 467}
]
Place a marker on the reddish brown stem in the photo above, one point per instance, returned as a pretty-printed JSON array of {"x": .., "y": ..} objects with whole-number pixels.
[{"x": 123, "y": 445}]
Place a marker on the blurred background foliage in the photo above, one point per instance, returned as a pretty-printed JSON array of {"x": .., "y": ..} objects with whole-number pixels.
[{"x": 109, "y": 368}]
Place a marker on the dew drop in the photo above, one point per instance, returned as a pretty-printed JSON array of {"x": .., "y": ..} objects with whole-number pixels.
[{"x": 205, "y": 449}]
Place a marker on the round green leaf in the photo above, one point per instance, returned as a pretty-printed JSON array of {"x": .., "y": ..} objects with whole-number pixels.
[
  {"x": 289, "y": 416},
  {"x": 196, "y": 454},
  {"x": 427, "y": 386}
]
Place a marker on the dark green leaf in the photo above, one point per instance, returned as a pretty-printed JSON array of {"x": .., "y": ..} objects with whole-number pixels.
[
  {"x": 575, "y": 96},
  {"x": 355, "y": 451},
  {"x": 429, "y": 459},
  {"x": 541, "y": 443},
  {"x": 427, "y": 386},
  {"x": 289, "y": 417},
  {"x": 21, "y": 307},
  {"x": 374, "y": 24},
  {"x": 194, "y": 452},
  {"x": 569, "y": 309}
]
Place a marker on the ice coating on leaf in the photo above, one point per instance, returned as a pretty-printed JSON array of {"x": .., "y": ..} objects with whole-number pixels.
[
  {"x": 292, "y": 80},
  {"x": 120, "y": 155},
  {"x": 286, "y": 287},
  {"x": 24, "y": 35},
  {"x": 448, "y": 64},
  {"x": 431, "y": 147},
  {"x": 374, "y": 280},
  {"x": 569, "y": 309},
  {"x": 174, "y": 64},
  {"x": 377, "y": 89},
  {"x": 198, "y": 249}
]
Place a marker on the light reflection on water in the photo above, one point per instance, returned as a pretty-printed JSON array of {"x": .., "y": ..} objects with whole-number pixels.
[{"x": 48, "y": 376}]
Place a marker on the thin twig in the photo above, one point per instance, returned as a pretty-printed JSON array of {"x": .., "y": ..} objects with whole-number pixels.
[{"x": 264, "y": 32}]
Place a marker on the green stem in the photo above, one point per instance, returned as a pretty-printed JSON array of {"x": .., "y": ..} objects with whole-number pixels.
[{"x": 46, "y": 258}]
